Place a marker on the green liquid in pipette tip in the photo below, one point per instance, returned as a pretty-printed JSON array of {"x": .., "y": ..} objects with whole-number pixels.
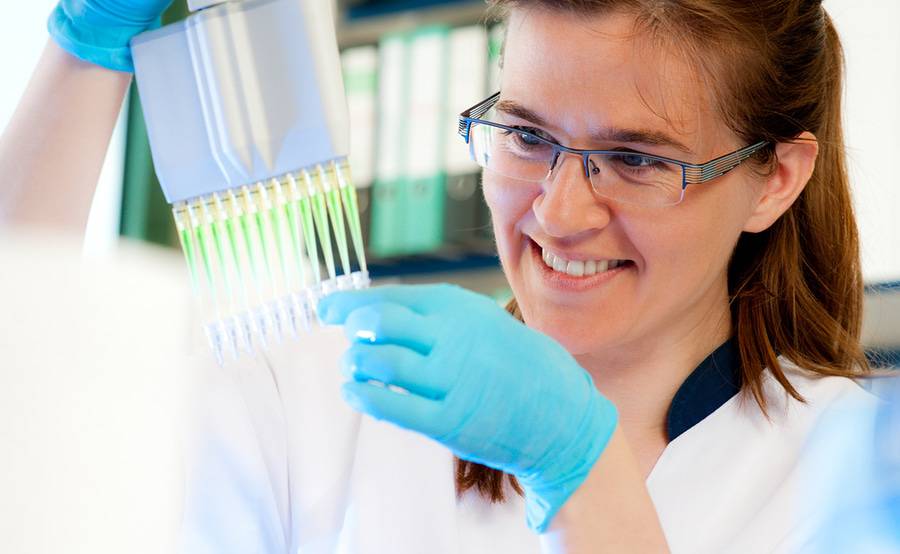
[
  {"x": 232, "y": 240},
  {"x": 258, "y": 218},
  {"x": 348, "y": 192},
  {"x": 185, "y": 237},
  {"x": 340, "y": 232},
  {"x": 290, "y": 209},
  {"x": 269, "y": 232},
  {"x": 309, "y": 230},
  {"x": 187, "y": 246},
  {"x": 276, "y": 221},
  {"x": 233, "y": 233},
  {"x": 320, "y": 212},
  {"x": 207, "y": 263},
  {"x": 248, "y": 245},
  {"x": 242, "y": 236},
  {"x": 221, "y": 246}
]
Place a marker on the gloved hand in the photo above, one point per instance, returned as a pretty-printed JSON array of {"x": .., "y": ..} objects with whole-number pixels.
[
  {"x": 489, "y": 388},
  {"x": 99, "y": 31}
]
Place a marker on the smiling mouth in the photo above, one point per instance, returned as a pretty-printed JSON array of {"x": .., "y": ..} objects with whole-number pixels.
[{"x": 578, "y": 268}]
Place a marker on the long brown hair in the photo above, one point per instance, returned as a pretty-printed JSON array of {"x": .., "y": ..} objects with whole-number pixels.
[{"x": 796, "y": 288}]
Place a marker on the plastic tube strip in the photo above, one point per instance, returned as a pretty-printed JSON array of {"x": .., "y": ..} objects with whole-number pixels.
[{"x": 254, "y": 255}]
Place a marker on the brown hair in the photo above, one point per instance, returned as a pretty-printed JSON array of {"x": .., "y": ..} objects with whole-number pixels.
[{"x": 796, "y": 288}]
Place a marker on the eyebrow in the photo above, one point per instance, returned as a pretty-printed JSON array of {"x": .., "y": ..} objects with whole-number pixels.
[{"x": 634, "y": 136}]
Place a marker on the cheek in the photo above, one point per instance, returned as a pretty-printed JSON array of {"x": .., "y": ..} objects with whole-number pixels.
[
  {"x": 509, "y": 204},
  {"x": 689, "y": 252}
]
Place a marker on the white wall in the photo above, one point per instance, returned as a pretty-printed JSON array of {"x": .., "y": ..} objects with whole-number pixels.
[
  {"x": 23, "y": 33},
  {"x": 870, "y": 30}
]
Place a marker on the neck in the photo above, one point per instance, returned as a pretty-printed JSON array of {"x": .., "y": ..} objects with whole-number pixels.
[{"x": 642, "y": 377}]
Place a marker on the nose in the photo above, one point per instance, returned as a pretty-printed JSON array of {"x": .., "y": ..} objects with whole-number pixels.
[{"x": 567, "y": 205}]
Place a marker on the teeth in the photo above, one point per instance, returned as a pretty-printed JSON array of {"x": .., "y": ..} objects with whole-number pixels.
[
  {"x": 559, "y": 264},
  {"x": 578, "y": 268},
  {"x": 575, "y": 268}
]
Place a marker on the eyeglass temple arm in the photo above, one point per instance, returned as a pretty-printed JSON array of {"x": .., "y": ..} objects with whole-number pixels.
[
  {"x": 475, "y": 112},
  {"x": 698, "y": 173}
]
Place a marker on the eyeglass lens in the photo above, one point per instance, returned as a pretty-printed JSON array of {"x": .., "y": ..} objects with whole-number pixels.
[{"x": 626, "y": 176}]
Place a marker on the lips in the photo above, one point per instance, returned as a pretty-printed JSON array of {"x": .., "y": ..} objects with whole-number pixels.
[
  {"x": 578, "y": 268},
  {"x": 575, "y": 275}
]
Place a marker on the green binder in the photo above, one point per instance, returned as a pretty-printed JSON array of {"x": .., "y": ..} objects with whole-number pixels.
[
  {"x": 386, "y": 231},
  {"x": 423, "y": 190}
]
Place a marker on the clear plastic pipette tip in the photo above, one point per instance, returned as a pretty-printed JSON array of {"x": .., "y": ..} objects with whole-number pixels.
[{"x": 256, "y": 240}]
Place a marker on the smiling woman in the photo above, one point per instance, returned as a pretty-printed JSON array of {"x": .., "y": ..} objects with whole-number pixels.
[
  {"x": 639, "y": 293},
  {"x": 690, "y": 286},
  {"x": 698, "y": 262},
  {"x": 670, "y": 203}
]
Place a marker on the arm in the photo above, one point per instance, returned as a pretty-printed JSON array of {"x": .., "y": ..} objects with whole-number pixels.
[
  {"x": 611, "y": 508},
  {"x": 499, "y": 393},
  {"x": 53, "y": 149}
]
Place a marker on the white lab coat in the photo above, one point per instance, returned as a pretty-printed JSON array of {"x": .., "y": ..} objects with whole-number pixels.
[
  {"x": 97, "y": 368},
  {"x": 735, "y": 482},
  {"x": 93, "y": 382}
]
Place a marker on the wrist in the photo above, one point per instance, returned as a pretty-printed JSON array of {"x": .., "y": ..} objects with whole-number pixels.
[
  {"x": 610, "y": 511},
  {"x": 94, "y": 38},
  {"x": 547, "y": 489}
]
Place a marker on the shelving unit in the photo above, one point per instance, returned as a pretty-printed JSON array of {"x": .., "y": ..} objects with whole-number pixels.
[
  {"x": 364, "y": 25},
  {"x": 361, "y": 23}
]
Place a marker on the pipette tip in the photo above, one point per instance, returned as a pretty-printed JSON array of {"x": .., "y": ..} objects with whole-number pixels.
[{"x": 255, "y": 253}]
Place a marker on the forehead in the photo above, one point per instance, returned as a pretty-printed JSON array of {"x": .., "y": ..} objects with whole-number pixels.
[{"x": 588, "y": 73}]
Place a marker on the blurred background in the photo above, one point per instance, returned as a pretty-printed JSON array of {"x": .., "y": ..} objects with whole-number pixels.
[{"x": 423, "y": 215}]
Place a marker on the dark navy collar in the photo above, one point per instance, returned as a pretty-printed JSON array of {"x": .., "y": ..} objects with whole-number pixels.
[{"x": 716, "y": 380}]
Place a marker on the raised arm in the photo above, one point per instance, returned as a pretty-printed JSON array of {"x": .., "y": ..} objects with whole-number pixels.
[{"x": 53, "y": 148}]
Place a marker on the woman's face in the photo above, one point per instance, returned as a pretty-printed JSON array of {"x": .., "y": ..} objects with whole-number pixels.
[{"x": 587, "y": 79}]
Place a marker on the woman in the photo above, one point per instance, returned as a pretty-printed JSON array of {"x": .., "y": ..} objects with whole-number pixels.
[
  {"x": 733, "y": 270},
  {"x": 672, "y": 211}
]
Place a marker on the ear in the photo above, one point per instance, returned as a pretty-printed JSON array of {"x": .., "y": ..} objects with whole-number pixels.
[{"x": 795, "y": 162}]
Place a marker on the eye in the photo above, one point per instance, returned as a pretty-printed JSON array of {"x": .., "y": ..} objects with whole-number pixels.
[
  {"x": 527, "y": 143},
  {"x": 531, "y": 136},
  {"x": 638, "y": 163},
  {"x": 528, "y": 139},
  {"x": 633, "y": 159}
]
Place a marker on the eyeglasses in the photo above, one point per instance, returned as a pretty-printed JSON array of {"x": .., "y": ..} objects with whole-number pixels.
[{"x": 621, "y": 175}]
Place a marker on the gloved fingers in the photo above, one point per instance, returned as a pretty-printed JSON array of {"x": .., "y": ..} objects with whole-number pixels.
[
  {"x": 406, "y": 410},
  {"x": 133, "y": 10},
  {"x": 396, "y": 365},
  {"x": 388, "y": 323},
  {"x": 337, "y": 306}
]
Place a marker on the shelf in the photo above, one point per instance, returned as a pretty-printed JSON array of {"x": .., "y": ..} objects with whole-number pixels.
[
  {"x": 884, "y": 287},
  {"x": 430, "y": 264},
  {"x": 883, "y": 357},
  {"x": 481, "y": 274},
  {"x": 365, "y": 25}
]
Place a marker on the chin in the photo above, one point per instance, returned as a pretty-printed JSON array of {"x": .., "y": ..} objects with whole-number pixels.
[{"x": 578, "y": 335}]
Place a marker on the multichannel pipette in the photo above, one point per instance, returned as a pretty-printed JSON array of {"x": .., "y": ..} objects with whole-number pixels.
[{"x": 248, "y": 126}]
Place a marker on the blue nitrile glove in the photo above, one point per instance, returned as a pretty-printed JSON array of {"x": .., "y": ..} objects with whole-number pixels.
[
  {"x": 99, "y": 31},
  {"x": 489, "y": 388}
]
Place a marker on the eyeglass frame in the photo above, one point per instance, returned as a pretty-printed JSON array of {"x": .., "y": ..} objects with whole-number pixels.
[{"x": 691, "y": 173}]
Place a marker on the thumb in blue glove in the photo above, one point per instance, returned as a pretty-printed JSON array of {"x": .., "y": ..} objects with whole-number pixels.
[
  {"x": 479, "y": 381},
  {"x": 99, "y": 31}
]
